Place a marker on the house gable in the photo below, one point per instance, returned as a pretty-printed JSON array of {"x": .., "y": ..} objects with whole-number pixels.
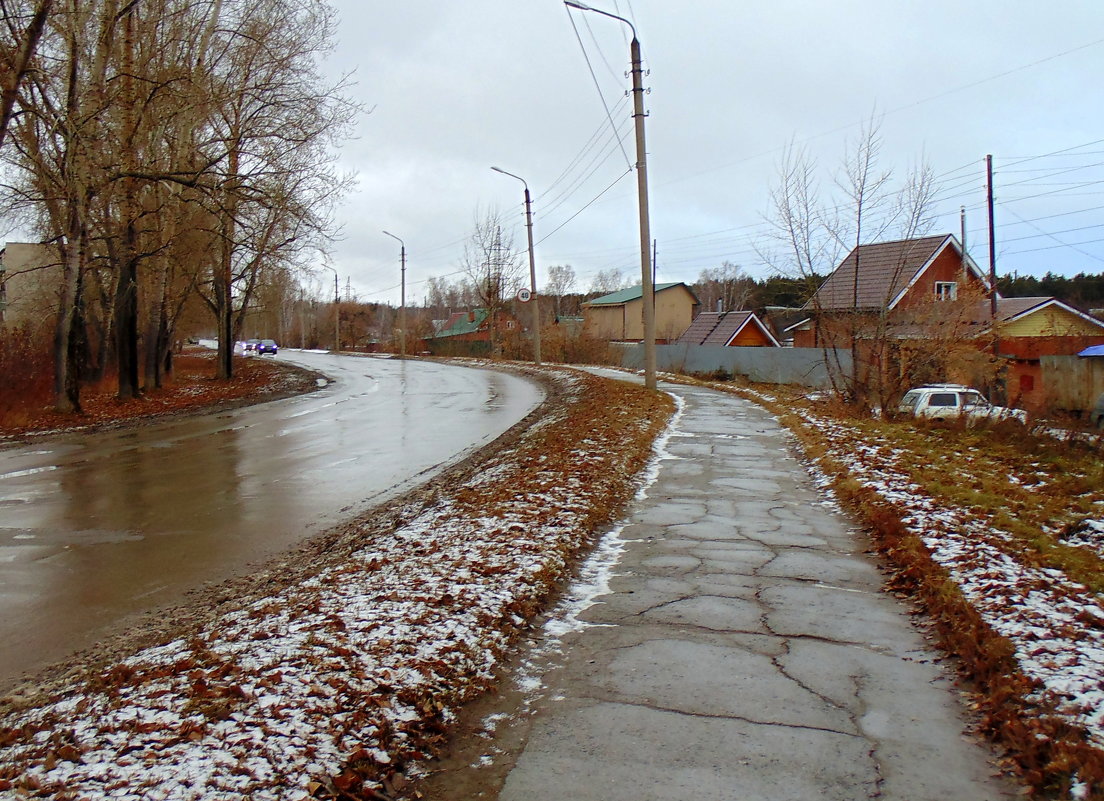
[
  {"x": 947, "y": 266},
  {"x": 752, "y": 333},
  {"x": 728, "y": 329},
  {"x": 1046, "y": 317},
  {"x": 892, "y": 273}
]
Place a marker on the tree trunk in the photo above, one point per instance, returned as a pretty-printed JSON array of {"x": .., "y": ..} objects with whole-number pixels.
[
  {"x": 126, "y": 291},
  {"x": 224, "y": 280},
  {"x": 66, "y": 379},
  {"x": 156, "y": 333}
]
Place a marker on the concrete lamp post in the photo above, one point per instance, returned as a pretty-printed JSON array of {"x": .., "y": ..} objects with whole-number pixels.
[
  {"x": 402, "y": 301},
  {"x": 646, "y": 284},
  {"x": 337, "y": 311},
  {"x": 532, "y": 267}
]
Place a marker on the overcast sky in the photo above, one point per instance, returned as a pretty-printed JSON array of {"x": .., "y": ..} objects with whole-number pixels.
[{"x": 456, "y": 87}]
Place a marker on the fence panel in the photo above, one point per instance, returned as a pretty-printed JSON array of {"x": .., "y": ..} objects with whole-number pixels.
[
  {"x": 1073, "y": 383},
  {"x": 806, "y": 367}
]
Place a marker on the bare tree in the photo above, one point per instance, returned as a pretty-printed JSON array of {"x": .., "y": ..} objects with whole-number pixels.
[
  {"x": 169, "y": 147},
  {"x": 813, "y": 235},
  {"x": 493, "y": 265},
  {"x": 19, "y": 52},
  {"x": 727, "y": 285},
  {"x": 561, "y": 280},
  {"x": 609, "y": 280}
]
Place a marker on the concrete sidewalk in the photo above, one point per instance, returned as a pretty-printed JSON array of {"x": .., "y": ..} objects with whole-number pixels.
[{"x": 749, "y": 653}]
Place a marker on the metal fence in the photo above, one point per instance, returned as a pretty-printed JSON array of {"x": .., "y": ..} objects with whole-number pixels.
[{"x": 806, "y": 367}]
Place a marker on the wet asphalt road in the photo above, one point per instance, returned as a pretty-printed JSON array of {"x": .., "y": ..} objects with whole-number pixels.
[{"x": 98, "y": 526}]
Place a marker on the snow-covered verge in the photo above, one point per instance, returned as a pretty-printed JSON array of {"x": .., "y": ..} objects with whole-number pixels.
[
  {"x": 1055, "y": 625},
  {"x": 328, "y": 688}
]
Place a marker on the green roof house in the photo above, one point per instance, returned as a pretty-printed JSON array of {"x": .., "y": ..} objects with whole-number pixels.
[{"x": 619, "y": 316}]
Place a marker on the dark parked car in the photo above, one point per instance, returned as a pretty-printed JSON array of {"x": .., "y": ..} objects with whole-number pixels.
[
  {"x": 267, "y": 346},
  {"x": 1096, "y": 416}
]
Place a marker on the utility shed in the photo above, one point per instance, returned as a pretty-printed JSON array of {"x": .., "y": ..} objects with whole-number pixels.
[{"x": 619, "y": 316}]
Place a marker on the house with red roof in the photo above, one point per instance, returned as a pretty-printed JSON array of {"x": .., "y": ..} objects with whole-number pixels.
[
  {"x": 925, "y": 287},
  {"x": 728, "y": 329}
]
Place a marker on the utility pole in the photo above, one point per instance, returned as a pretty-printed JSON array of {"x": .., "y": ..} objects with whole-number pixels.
[
  {"x": 648, "y": 289},
  {"x": 962, "y": 228},
  {"x": 402, "y": 297},
  {"x": 646, "y": 285},
  {"x": 532, "y": 267},
  {"x": 1001, "y": 390},
  {"x": 337, "y": 315},
  {"x": 992, "y": 244},
  {"x": 655, "y": 263}
]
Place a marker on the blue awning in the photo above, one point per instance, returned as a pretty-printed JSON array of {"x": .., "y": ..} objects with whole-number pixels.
[{"x": 1093, "y": 350}]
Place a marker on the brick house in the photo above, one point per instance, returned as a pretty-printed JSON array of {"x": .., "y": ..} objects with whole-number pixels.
[{"x": 469, "y": 332}]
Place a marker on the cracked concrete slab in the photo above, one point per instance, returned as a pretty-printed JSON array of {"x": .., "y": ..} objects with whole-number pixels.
[
  {"x": 607, "y": 751},
  {"x": 744, "y": 651}
]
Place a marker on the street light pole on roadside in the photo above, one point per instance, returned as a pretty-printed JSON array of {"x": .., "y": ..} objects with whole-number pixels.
[
  {"x": 402, "y": 306},
  {"x": 532, "y": 267},
  {"x": 337, "y": 311},
  {"x": 647, "y": 294}
]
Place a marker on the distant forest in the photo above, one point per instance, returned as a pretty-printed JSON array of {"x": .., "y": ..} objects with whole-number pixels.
[{"x": 1082, "y": 290}]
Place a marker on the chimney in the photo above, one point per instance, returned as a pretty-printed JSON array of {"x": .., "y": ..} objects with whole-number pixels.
[
  {"x": 471, "y": 317},
  {"x": 720, "y": 305}
]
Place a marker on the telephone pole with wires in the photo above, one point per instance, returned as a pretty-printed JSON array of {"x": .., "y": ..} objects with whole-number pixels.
[{"x": 646, "y": 285}]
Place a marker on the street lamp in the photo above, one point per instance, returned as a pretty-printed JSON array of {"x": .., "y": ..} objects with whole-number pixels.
[
  {"x": 402, "y": 307},
  {"x": 532, "y": 267},
  {"x": 337, "y": 311},
  {"x": 646, "y": 285}
]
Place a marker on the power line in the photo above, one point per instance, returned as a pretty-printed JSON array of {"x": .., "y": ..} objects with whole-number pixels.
[
  {"x": 600, "y": 158},
  {"x": 584, "y": 208},
  {"x": 1074, "y": 247},
  {"x": 594, "y": 78},
  {"x": 586, "y": 148},
  {"x": 1025, "y": 159}
]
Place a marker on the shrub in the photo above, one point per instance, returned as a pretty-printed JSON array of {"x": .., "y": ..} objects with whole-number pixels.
[{"x": 26, "y": 374}]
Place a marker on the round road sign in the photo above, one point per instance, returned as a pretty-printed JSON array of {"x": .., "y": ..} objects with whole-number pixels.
[{"x": 524, "y": 295}]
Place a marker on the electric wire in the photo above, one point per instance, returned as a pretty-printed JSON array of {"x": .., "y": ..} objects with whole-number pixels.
[
  {"x": 584, "y": 208},
  {"x": 594, "y": 78}
]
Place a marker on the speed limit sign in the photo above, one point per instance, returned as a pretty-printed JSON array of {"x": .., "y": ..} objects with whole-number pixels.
[{"x": 524, "y": 295}]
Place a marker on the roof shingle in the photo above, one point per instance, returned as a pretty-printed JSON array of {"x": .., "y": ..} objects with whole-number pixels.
[{"x": 884, "y": 271}]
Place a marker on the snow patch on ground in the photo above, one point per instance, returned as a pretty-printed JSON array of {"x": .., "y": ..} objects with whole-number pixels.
[
  {"x": 351, "y": 665},
  {"x": 1055, "y": 624}
]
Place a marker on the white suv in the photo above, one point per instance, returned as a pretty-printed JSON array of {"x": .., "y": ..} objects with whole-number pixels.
[{"x": 953, "y": 401}]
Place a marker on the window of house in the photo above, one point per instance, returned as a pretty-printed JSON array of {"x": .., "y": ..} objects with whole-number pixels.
[
  {"x": 509, "y": 325},
  {"x": 946, "y": 290}
]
